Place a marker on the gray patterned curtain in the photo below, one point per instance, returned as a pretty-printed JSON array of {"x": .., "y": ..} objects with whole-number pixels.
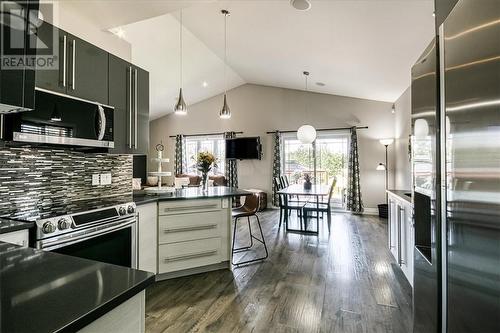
[
  {"x": 354, "y": 202},
  {"x": 276, "y": 164},
  {"x": 180, "y": 156},
  {"x": 231, "y": 165}
]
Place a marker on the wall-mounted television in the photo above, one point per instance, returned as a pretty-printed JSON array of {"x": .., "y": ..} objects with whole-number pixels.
[{"x": 244, "y": 148}]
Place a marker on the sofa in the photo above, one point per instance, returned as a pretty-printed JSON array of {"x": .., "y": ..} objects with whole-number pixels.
[{"x": 194, "y": 180}]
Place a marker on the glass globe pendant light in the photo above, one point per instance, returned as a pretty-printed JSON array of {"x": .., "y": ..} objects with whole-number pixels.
[
  {"x": 306, "y": 133},
  {"x": 180, "y": 107},
  {"x": 225, "y": 112}
]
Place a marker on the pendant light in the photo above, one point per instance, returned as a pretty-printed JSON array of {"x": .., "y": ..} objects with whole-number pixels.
[
  {"x": 180, "y": 107},
  {"x": 306, "y": 133},
  {"x": 225, "y": 112}
]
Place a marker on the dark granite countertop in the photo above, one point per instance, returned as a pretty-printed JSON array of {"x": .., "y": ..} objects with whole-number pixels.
[
  {"x": 10, "y": 226},
  {"x": 190, "y": 193},
  {"x": 49, "y": 292},
  {"x": 401, "y": 194}
]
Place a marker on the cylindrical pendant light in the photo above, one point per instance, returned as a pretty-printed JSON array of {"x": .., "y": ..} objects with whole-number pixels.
[
  {"x": 225, "y": 112},
  {"x": 180, "y": 107}
]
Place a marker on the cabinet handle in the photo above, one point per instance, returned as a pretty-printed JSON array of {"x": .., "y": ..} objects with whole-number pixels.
[
  {"x": 74, "y": 67},
  {"x": 64, "y": 62},
  {"x": 400, "y": 260},
  {"x": 193, "y": 228},
  {"x": 1, "y": 126},
  {"x": 191, "y": 256},
  {"x": 130, "y": 108},
  {"x": 166, "y": 210},
  {"x": 135, "y": 108}
]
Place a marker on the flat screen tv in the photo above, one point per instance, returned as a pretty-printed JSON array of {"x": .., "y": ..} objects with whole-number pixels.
[{"x": 244, "y": 148}]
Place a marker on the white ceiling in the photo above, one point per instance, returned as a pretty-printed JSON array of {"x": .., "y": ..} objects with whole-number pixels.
[{"x": 358, "y": 48}]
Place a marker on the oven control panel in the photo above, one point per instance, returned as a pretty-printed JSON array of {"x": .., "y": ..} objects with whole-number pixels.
[{"x": 72, "y": 223}]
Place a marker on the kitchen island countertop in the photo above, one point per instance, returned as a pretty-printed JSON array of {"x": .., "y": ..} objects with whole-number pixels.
[
  {"x": 190, "y": 193},
  {"x": 49, "y": 292}
]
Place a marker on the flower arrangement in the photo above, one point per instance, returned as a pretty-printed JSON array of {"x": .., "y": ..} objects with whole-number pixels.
[
  {"x": 307, "y": 181},
  {"x": 204, "y": 163}
]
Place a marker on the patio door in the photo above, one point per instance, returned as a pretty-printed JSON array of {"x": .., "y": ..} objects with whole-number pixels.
[{"x": 325, "y": 160}]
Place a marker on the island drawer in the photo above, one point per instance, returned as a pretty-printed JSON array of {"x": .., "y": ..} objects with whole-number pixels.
[
  {"x": 190, "y": 254},
  {"x": 185, "y": 227},
  {"x": 189, "y": 206}
]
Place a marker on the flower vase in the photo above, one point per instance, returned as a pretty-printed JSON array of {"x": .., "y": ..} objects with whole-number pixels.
[{"x": 204, "y": 182}]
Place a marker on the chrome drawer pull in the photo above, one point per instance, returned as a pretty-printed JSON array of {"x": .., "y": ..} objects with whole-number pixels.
[
  {"x": 190, "y": 208},
  {"x": 193, "y": 228},
  {"x": 191, "y": 256}
]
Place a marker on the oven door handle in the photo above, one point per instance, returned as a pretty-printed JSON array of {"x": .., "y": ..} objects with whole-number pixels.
[{"x": 65, "y": 241}]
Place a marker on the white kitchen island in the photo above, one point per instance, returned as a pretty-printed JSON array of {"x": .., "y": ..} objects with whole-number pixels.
[{"x": 186, "y": 232}]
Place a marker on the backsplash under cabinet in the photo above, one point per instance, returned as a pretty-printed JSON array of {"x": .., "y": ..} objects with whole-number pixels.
[{"x": 36, "y": 180}]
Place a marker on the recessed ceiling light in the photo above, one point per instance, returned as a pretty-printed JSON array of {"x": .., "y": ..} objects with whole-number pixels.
[
  {"x": 321, "y": 84},
  {"x": 118, "y": 32},
  {"x": 204, "y": 84},
  {"x": 301, "y": 4}
]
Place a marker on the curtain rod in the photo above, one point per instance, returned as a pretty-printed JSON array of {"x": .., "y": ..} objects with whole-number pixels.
[
  {"x": 205, "y": 134},
  {"x": 322, "y": 129}
]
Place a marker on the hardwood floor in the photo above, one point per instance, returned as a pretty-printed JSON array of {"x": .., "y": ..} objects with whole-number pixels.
[{"x": 343, "y": 282}]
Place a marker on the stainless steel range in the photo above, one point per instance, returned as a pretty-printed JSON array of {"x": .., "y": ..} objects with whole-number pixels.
[{"x": 107, "y": 234}]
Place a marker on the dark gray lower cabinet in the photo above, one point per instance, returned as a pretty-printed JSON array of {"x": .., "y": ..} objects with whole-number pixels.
[{"x": 129, "y": 94}]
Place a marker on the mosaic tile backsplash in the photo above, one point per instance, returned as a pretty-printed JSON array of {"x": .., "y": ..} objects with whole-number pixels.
[{"x": 38, "y": 180}]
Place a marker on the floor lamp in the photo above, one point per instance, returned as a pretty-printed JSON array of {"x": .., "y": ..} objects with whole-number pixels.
[{"x": 385, "y": 167}]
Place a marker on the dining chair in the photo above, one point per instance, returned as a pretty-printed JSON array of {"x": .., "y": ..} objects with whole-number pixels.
[
  {"x": 321, "y": 207},
  {"x": 287, "y": 206},
  {"x": 249, "y": 209}
]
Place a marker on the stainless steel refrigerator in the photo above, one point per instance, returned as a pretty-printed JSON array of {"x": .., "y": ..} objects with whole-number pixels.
[{"x": 456, "y": 177}]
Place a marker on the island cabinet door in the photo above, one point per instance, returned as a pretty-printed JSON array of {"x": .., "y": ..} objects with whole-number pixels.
[
  {"x": 185, "y": 227},
  {"x": 147, "y": 221},
  {"x": 185, "y": 255}
]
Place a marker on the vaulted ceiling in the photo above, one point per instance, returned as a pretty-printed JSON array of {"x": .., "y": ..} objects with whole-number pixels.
[{"x": 362, "y": 48}]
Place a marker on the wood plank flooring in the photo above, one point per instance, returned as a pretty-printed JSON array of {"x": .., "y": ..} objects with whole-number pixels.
[{"x": 345, "y": 281}]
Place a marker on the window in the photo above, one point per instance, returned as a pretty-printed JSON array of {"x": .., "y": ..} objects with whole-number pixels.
[
  {"x": 332, "y": 149},
  {"x": 215, "y": 144}
]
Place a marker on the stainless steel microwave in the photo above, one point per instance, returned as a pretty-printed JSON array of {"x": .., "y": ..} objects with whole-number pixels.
[{"x": 61, "y": 120}]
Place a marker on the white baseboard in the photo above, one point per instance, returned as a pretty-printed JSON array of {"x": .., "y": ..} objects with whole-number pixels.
[{"x": 370, "y": 211}]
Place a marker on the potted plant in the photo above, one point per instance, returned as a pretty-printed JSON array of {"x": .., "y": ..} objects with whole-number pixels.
[
  {"x": 204, "y": 163},
  {"x": 307, "y": 182}
]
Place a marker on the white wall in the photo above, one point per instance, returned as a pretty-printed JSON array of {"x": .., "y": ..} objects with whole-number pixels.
[
  {"x": 67, "y": 17},
  {"x": 402, "y": 131},
  {"x": 257, "y": 109}
]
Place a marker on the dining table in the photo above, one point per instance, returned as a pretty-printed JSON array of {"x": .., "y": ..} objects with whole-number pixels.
[{"x": 312, "y": 195}]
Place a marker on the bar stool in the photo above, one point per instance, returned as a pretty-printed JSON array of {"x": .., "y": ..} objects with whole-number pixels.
[{"x": 249, "y": 209}]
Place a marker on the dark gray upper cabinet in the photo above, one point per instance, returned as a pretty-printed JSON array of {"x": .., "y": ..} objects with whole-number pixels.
[
  {"x": 120, "y": 97},
  {"x": 53, "y": 79},
  {"x": 17, "y": 82},
  {"x": 129, "y": 94},
  {"x": 87, "y": 71},
  {"x": 82, "y": 69},
  {"x": 142, "y": 111}
]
